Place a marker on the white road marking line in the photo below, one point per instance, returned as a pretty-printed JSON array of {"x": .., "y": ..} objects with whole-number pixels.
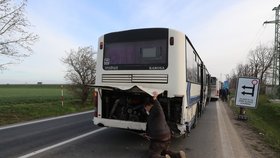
[
  {"x": 44, "y": 120},
  {"x": 62, "y": 143},
  {"x": 224, "y": 135},
  {"x": 232, "y": 145}
]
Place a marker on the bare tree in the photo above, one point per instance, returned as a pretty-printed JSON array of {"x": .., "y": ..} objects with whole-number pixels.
[
  {"x": 233, "y": 79},
  {"x": 14, "y": 34},
  {"x": 260, "y": 60},
  {"x": 254, "y": 63},
  {"x": 243, "y": 70},
  {"x": 81, "y": 70}
]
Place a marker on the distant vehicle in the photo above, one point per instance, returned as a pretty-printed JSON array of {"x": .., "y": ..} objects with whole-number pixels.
[
  {"x": 215, "y": 88},
  {"x": 208, "y": 84},
  {"x": 132, "y": 64},
  {"x": 205, "y": 90}
]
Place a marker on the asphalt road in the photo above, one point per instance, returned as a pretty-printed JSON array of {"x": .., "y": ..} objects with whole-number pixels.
[
  {"x": 214, "y": 137},
  {"x": 20, "y": 140}
]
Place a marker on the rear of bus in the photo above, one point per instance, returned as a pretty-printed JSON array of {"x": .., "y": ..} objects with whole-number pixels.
[
  {"x": 130, "y": 66},
  {"x": 214, "y": 84}
]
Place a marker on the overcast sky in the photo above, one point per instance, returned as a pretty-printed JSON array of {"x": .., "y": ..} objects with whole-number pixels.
[{"x": 222, "y": 31}]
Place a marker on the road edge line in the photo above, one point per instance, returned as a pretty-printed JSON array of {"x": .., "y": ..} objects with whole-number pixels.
[{"x": 61, "y": 143}]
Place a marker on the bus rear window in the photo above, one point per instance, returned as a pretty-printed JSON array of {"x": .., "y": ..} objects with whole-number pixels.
[
  {"x": 149, "y": 52},
  {"x": 136, "y": 55},
  {"x": 213, "y": 80}
]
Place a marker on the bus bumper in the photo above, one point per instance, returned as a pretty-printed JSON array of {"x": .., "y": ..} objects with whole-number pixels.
[{"x": 119, "y": 124}]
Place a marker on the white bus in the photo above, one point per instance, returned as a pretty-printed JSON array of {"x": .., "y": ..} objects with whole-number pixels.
[
  {"x": 132, "y": 64},
  {"x": 215, "y": 88}
]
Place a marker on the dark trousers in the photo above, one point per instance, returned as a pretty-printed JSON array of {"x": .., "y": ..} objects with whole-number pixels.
[{"x": 158, "y": 149}]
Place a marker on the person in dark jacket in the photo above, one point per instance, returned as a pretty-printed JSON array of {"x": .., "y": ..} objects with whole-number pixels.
[
  {"x": 224, "y": 94},
  {"x": 158, "y": 132}
]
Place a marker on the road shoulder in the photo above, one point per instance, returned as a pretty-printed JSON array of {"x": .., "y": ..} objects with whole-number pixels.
[{"x": 252, "y": 140}]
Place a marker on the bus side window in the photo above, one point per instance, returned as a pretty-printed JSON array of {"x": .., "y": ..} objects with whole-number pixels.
[{"x": 198, "y": 73}]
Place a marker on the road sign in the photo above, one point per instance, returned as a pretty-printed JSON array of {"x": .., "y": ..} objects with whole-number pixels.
[{"x": 247, "y": 92}]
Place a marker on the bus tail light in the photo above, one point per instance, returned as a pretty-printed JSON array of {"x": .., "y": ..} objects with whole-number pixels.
[
  {"x": 217, "y": 93},
  {"x": 171, "y": 41},
  {"x": 95, "y": 99},
  {"x": 101, "y": 45}
]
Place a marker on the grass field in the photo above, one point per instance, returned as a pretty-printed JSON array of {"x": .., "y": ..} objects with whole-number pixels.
[
  {"x": 20, "y": 103},
  {"x": 265, "y": 119}
]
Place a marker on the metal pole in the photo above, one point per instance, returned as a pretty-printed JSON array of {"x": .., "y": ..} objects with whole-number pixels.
[
  {"x": 62, "y": 96},
  {"x": 277, "y": 45},
  {"x": 276, "y": 54}
]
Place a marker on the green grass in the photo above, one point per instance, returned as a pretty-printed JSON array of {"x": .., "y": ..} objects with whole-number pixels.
[
  {"x": 17, "y": 94},
  {"x": 265, "y": 119},
  {"x": 20, "y": 103}
]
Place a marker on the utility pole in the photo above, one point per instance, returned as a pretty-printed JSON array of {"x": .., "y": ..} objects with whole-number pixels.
[{"x": 276, "y": 55}]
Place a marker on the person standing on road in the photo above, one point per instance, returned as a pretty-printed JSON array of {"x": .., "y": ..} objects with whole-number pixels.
[
  {"x": 157, "y": 131},
  {"x": 224, "y": 94}
]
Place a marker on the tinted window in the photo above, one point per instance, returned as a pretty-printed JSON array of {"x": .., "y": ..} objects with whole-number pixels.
[
  {"x": 213, "y": 80},
  {"x": 192, "y": 67},
  {"x": 135, "y": 53},
  {"x": 143, "y": 49}
]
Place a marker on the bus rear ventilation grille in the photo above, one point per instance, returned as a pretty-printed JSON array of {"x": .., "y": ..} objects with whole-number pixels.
[{"x": 134, "y": 78}]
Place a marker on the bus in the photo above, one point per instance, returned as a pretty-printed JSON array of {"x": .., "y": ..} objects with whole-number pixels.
[
  {"x": 205, "y": 90},
  {"x": 208, "y": 76},
  {"x": 131, "y": 64},
  {"x": 215, "y": 88}
]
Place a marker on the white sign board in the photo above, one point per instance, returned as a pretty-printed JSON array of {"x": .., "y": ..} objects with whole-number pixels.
[{"x": 247, "y": 92}]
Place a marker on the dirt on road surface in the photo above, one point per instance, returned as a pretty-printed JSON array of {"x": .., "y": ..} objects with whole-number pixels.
[{"x": 252, "y": 140}]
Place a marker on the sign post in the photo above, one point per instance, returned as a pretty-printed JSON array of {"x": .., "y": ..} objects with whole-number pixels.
[
  {"x": 247, "y": 93},
  {"x": 62, "y": 96}
]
